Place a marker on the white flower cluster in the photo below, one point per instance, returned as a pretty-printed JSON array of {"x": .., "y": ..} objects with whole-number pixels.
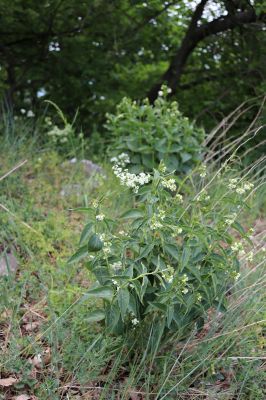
[
  {"x": 169, "y": 184},
  {"x": 176, "y": 231},
  {"x": 116, "y": 265},
  {"x": 95, "y": 204},
  {"x": 162, "y": 167},
  {"x": 156, "y": 219},
  {"x": 179, "y": 198},
  {"x": 135, "y": 321},
  {"x": 29, "y": 113},
  {"x": 132, "y": 181},
  {"x": 106, "y": 245},
  {"x": 237, "y": 247},
  {"x": 123, "y": 233},
  {"x": 164, "y": 91},
  {"x": 168, "y": 274},
  {"x": 100, "y": 217},
  {"x": 230, "y": 219},
  {"x": 116, "y": 284},
  {"x": 198, "y": 297},
  {"x": 203, "y": 196},
  {"x": 155, "y": 224},
  {"x": 60, "y": 135},
  {"x": 250, "y": 256},
  {"x": 245, "y": 187},
  {"x": 184, "y": 280},
  {"x": 235, "y": 275},
  {"x": 121, "y": 160},
  {"x": 203, "y": 171}
]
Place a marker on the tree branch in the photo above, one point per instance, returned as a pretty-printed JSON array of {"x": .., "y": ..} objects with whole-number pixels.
[{"x": 193, "y": 36}]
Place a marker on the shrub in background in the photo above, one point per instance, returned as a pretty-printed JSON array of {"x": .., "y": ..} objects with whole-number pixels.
[
  {"x": 151, "y": 133},
  {"x": 167, "y": 261}
]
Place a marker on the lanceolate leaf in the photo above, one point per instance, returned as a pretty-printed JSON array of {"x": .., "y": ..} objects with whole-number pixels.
[
  {"x": 134, "y": 213},
  {"x": 123, "y": 301},
  {"x": 185, "y": 256},
  {"x": 172, "y": 251},
  {"x": 95, "y": 316},
  {"x": 81, "y": 253},
  {"x": 86, "y": 232},
  {"x": 101, "y": 292}
]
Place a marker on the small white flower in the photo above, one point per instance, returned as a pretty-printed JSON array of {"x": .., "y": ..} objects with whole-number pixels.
[
  {"x": 30, "y": 114},
  {"x": 185, "y": 290},
  {"x": 100, "y": 217},
  {"x": 23, "y": 111},
  {"x": 160, "y": 93},
  {"x": 135, "y": 321},
  {"x": 169, "y": 90}
]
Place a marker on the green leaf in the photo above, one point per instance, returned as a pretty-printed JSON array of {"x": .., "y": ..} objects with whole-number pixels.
[
  {"x": 86, "y": 232},
  {"x": 239, "y": 228},
  {"x": 172, "y": 250},
  {"x": 123, "y": 301},
  {"x": 95, "y": 316},
  {"x": 101, "y": 292},
  {"x": 170, "y": 315},
  {"x": 95, "y": 243},
  {"x": 133, "y": 213},
  {"x": 82, "y": 209},
  {"x": 185, "y": 256},
  {"x": 81, "y": 253},
  {"x": 145, "y": 251},
  {"x": 185, "y": 156}
]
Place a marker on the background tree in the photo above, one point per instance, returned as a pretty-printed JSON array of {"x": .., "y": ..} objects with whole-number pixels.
[{"x": 88, "y": 55}]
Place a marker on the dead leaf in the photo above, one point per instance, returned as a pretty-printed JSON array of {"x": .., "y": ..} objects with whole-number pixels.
[
  {"x": 22, "y": 397},
  {"x": 36, "y": 361},
  {"x": 31, "y": 326},
  {"x": 8, "y": 381}
]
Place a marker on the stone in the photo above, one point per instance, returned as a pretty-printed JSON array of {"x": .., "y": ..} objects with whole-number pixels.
[{"x": 8, "y": 263}]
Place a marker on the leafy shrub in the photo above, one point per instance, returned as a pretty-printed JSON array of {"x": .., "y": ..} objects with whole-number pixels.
[
  {"x": 150, "y": 134},
  {"x": 168, "y": 260}
]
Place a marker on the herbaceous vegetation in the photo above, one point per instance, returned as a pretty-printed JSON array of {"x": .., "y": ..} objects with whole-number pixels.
[
  {"x": 149, "y": 134},
  {"x": 132, "y": 200}
]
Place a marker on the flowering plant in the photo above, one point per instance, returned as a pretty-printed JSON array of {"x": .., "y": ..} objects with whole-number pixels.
[
  {"x": 169, "y": 259},
  {"x": 64, "y": 138},
  {"x": 150, "y": 133}
]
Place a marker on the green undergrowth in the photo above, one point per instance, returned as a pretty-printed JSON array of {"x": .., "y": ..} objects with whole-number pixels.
[{"x": 47, "y": 343}]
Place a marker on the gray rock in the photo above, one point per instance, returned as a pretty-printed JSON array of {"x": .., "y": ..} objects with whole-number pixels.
[
  {"x": 8, "y": 263},
  {"x": 90, "y": 168}
]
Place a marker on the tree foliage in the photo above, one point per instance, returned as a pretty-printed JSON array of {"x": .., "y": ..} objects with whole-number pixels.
[{"x": 90, "y": 54}]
